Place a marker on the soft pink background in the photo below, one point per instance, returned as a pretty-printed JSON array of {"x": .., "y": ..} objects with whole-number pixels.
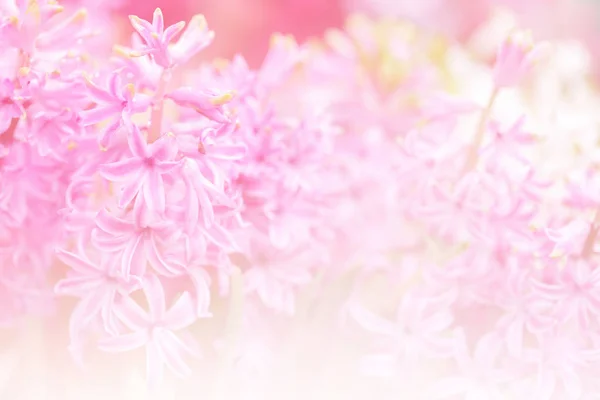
[{"x": 245, "y": 25}]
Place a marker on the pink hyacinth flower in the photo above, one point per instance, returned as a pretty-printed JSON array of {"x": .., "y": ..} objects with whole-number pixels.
[
  {"x": 156, "y": 37},
  {"x": 134, "y": 243},
  {"x": 98, "y": 285},
  {"x": 143, "y": 171},
  {"x": 155, "y": 330},
  {"x": 115, "y": 104}
]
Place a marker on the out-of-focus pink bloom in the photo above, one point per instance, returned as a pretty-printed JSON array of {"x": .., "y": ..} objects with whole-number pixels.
[
  {"x": 419, "y": 330},
  {"x": 562, "y": 362},
  {"x": 456, "y": 18},
  {"x": 569, "y": 239},
  {"x": 275, "y": 275},
  {"x": 525, "y": 312},
  {"x": 516, "y": 57},
  {"x": 35, "y": 25},
  {"x": 480, "y": 377},
  {"x": 584, "y": 193},
  {"x": 507, "y": 143},
  {"x": 575, "y": 293}
]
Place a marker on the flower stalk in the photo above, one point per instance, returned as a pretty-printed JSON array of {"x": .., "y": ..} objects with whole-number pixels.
[
  {"x": 472, "y": 153},
  {"x": 157, "y": 113}
]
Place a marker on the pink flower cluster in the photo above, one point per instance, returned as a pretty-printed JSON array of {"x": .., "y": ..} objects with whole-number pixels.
[{"x": 154, "y": 194}]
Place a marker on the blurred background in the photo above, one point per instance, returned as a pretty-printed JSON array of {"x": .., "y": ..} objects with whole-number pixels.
[{"x": 244, "y": 26}]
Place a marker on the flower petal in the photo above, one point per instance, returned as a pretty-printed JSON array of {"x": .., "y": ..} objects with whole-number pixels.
[
  {"x": 370, "y": 321},
  {"x": 108, "y": 243},
  {"x": 77, "y": 286},
  {"x": 154, "y": 192},
  {"x": 121, "y": 170},
  {"x": 85, "y": 311},
  {"x": 172, "y": 351},
  {"x": 131, "y": 314},
  {"x": 112, "y": 225},
  {"x": 137, "y": 143},
  {"x": 173, "y": 31},
  {"x": 155, "y": 259},
  {"x": 182, "y": 314},
  {"x": 155, "y": 295},
  {"x": 100, "y": 113},
  {"x": 129, "y": 258},
  {"x": 76, "y": 262},
  {"x": 132, "y": 189},
  {"x": 219, "y": 236}
]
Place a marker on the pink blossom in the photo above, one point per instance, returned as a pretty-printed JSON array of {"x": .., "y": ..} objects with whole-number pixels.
[
  {"x": 97, "y": 285},
  {"x": 275, "y": 275},
  {"x": 526, "y": 312},
  {"x": 479, "y": 377},
  {"x": 154, "y": 330},
  {"x": 575, "y": 293},
  {"x": 156, "y": 37},
  {"x": 116, "y": 104},
  {"x": 34, "y": 26},
  {"x": 516, "y": 57},
  {"x": 569, "y": 239},
  {"x": 143, "y": 172},
  {"x": 507, "y": 143},
  {"x": 559, "y": 361},
  {"x": 195, "y": 38},
  {"x": 582, "y": 192},
  {"x": 135, "y": 242},
  {"x": 417, "y": 331}
]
